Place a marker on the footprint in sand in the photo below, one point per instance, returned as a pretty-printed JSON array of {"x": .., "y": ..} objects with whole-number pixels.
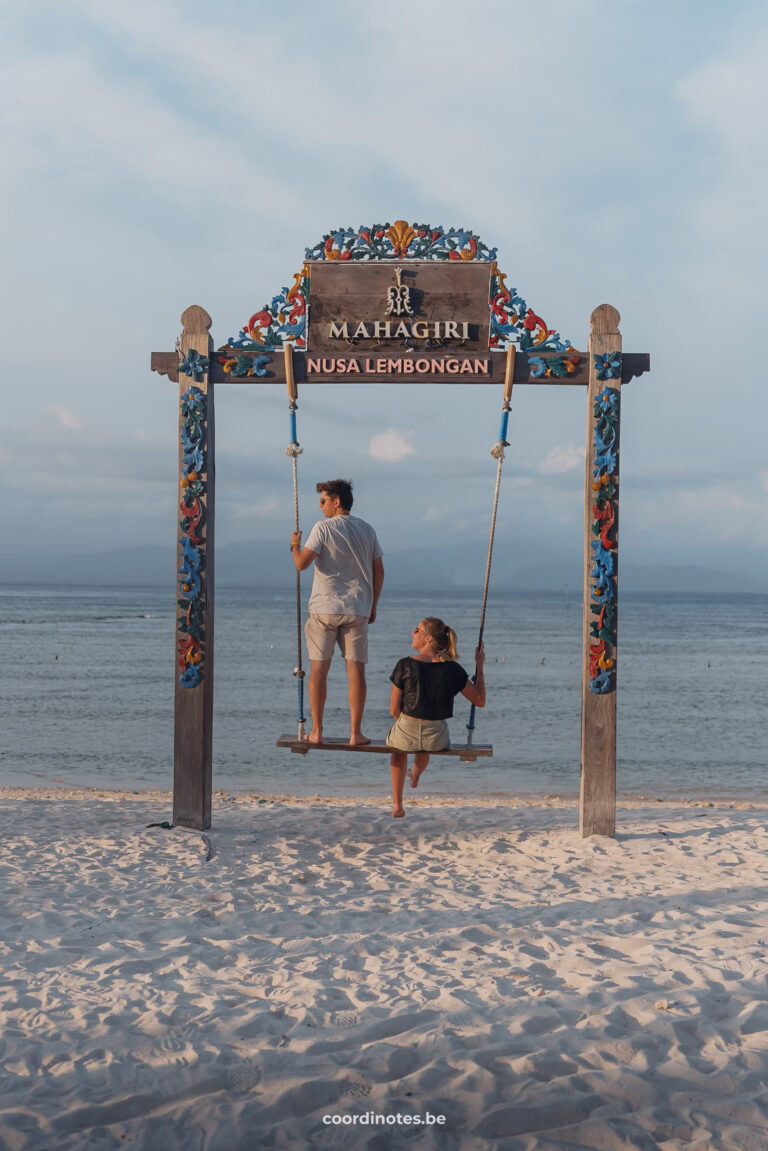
[
  {"x": 462, "y": 1018},
  {"x": 176, "y": 1041},
  {"x": 178, "y": 1038},
  {"x": 345, "y": 1018},
  {"x": 410, "y": 1135},
  {"x": 357, "y": 1089},
  {"x": 330, "y": 1136},
  {"x": 243, "y": 1078},
  {"x": 354, "y": 977}
]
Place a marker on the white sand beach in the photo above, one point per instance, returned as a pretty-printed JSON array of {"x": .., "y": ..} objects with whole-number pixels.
[{"x": 310, "y": 969}]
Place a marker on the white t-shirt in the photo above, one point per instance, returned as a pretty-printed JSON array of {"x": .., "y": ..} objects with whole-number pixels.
[{"x": 345, "y": 547}]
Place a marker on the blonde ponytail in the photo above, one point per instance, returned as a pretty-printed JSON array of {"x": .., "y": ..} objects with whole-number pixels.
[{"x": 444, "y": 637}]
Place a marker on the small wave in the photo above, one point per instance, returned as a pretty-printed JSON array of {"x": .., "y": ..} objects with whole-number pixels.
[{"x": 115, "y": 618}]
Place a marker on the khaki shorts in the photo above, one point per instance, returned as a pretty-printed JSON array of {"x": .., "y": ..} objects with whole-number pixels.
[
  {"x": 409, "y": 734},
  {"x": 350, "y": 632}
]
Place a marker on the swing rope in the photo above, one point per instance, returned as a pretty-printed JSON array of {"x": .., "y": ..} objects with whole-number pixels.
[
  {"x": 294, "y": 451},
  {"x": 497, "y": 451}
]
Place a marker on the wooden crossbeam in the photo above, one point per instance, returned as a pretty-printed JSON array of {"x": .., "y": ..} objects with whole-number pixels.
[
  {"x": 467, "y": 752},
  {"x": 272, "y": 369}
]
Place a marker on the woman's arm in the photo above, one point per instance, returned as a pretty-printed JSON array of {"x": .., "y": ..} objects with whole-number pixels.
[
  {"x": 475, "y": 692},
  {"x": 396, "y": 701}
]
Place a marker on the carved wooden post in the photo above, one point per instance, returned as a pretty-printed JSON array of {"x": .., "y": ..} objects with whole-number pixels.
[
  {"x": 193, "y": 714},
  {"x": 601, "y": 525}
]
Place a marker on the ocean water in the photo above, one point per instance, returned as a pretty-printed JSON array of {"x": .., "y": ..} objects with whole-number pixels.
[{"x": 86, "y": 693}]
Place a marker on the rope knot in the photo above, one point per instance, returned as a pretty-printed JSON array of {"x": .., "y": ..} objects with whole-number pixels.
[
  {"x": 293, "y": 450},
  {"x": 299, "y": 673},
  {"x": 497, "y": 451}
]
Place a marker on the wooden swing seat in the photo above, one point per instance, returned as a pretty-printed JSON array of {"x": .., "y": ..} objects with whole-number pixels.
[{"x": 466, "y": 752}]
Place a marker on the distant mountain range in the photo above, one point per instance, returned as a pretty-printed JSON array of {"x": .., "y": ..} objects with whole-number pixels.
[{"x": 267, "y": 564}]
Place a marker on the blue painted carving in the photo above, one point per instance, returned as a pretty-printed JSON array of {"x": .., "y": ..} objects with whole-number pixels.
[
  {"x": 194, "y": 365},
  {"x": 606, "y": 414},
  {"x": 190, "y": 622},
  {"x": 400, "y": 241},
  {"x": 282, "y": 321},
  {"x": 514, "y": 323},
  {"x": 608, "y": 365},
  {"x": 603, "y": 569},
  {"x": 558, "y": 366},
  {"x": 602, "y": 652}
]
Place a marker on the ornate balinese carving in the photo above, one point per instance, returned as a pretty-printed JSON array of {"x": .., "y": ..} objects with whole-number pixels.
[
  {"x": 602, "y": 653},
  {"x": 608, "y": 365},
  {"x": 244, "y": 365},
  {"x": 557, "y": 366},
  {"x": 401, "y": 241},
  {"x": 191, "y": 621},
  {"x": 513, "y": 322},
  {"x": 283, "y": 321},
  {"x": 194, "y": 364}
]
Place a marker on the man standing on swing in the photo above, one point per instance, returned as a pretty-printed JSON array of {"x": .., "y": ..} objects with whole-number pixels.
[{"x": 347, "y": 583}]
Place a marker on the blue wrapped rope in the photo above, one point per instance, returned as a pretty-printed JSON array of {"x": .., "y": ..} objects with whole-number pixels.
[{"x": 293, "y": 451}]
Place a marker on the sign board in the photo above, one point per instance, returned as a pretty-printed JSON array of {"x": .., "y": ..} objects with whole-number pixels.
[{"x": 412, "y": 319}]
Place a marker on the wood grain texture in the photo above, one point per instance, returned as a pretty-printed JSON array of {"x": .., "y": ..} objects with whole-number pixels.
[
  {"x": 597, "y": 802},
  {"x": 634, "y": 364},
  {"x": 353, "y": 292},
  {"x": 274, "y": 371},
  {"x": 193, "y": 706},
  {"x": 165, "y": 364},
  {"x": 303, "y": 746},
  {"x": 290, "y": 379},
  {"x": 509, "y": 373}
]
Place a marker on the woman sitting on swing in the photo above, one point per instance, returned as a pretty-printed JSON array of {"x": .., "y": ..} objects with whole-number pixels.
[{"x": 423, "y": 688}]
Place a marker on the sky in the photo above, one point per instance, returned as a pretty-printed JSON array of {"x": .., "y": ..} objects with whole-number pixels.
[{"x": 163, "y": 154}]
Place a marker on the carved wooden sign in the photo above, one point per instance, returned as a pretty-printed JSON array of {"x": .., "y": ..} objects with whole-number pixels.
[{"x": 414, "y": 319}]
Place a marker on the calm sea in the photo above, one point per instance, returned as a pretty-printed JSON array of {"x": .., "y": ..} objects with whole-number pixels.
[{"x": 86, "y": 693}]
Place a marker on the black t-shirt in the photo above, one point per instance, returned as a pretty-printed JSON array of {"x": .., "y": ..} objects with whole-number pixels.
[{"x": 428, "y": 688}]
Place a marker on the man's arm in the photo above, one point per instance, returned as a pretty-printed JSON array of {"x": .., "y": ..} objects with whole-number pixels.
[
  {"x": 302, "y": 557},
  {"x": 378, "y": 583}
]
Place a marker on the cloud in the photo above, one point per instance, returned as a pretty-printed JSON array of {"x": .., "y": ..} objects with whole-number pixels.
[
  {"x": 66, "y": 416},
  {"x": 723, "y": 513},
  {"x": 152, "y": 164},
  {"x": 725, "y": 99},
  {"x": 83, "y": 129},
  {"x": 391, "y": 446},
  {"x": 562, "y": 458}
]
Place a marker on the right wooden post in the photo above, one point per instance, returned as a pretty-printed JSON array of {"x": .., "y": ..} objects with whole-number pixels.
[{"x": 597, "y": 807}]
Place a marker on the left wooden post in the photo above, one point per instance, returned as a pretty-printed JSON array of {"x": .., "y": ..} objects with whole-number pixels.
[{"x": 193, "y": 709}]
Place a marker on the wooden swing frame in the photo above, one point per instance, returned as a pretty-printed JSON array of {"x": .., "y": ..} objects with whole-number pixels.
[{"x": 253, "y": 358}]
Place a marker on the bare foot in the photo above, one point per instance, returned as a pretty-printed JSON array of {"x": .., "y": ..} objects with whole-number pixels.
[
  {"x": 414, "y": 775},
  {"x": 398, "y": 813},
  {"x": 316, "y": 735},
  {"x": 357, "y": 739}
]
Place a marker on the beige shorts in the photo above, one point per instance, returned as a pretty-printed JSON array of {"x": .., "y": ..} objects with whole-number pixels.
[
  {"x": 350, "y": 632},
  {"x": 409, "y": 734}
]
